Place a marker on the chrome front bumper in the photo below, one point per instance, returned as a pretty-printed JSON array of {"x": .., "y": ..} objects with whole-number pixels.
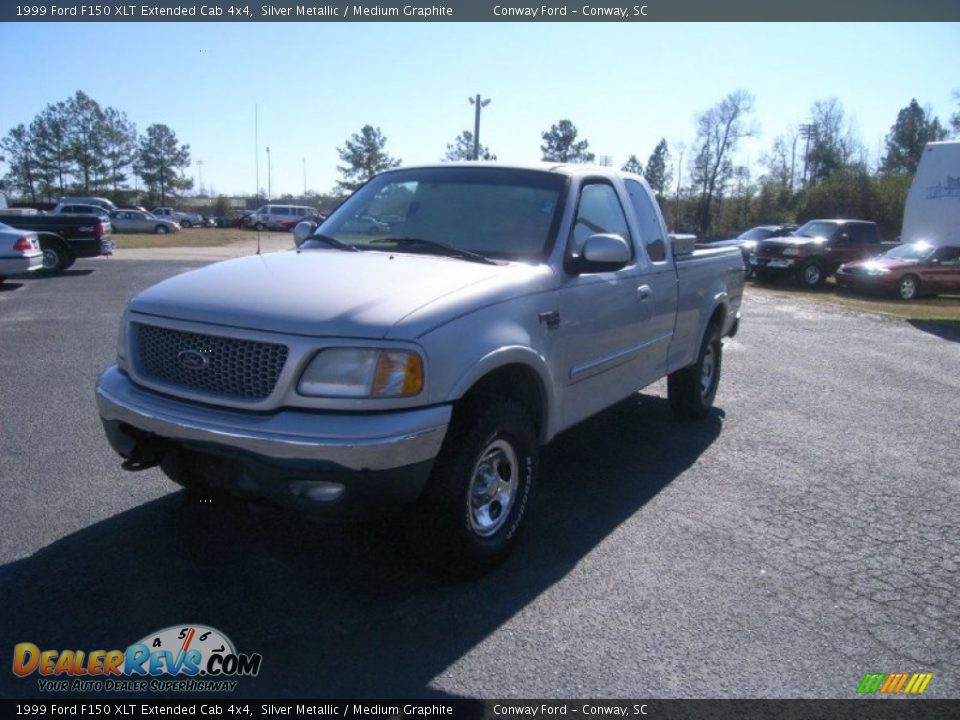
[{"x": 349, "y": 441}]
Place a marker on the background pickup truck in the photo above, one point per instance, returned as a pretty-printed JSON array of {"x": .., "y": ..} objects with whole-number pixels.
[
  {"x": 417, "y": 349},
  {"x": 815, "y": 250},
  {"x": 64, "y": 238}
]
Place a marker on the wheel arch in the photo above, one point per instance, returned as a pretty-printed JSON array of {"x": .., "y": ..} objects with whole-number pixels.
[{"x": 517, "y": 373}]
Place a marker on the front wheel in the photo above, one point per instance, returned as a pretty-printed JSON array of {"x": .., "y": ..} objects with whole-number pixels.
[
  {"x": 186, "y": 224},
  {"x": 161, "y": 229},
  {"x": 691, "y": 390},
  {"x": 480, "y": 490},
  {"x": 764, "y": 276},
  {"x": 908, "y": 287},
  {"x": 811, "y": 274}
]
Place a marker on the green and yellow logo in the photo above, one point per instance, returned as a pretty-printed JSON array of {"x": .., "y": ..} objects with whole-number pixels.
[{"x": 894, "y": 683}]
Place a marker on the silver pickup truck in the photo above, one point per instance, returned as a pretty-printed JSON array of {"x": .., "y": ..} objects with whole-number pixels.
[{"x": 416, "y": 350}]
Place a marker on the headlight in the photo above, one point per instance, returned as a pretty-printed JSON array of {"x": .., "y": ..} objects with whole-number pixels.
[
  {"x": 877, "y": 270},
  {"x": 362, "y": 372},
  {"x": 791, "y": 252}
]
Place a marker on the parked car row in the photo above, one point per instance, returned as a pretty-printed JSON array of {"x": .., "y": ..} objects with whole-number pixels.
[
  {"x": 852, "y": 251},
  {"x": 65, "y": 237}
]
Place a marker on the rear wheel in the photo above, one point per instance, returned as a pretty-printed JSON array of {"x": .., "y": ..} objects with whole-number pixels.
[
  {"x": 691, "y": 390},
  {"x": 908, "y": 287},
  {"x": 259, "y": 226},
  {"x": 55, "y": 256},
  {"x": 161, "y": 229},
  {"x": 476, "y": 502},
  {"x": 186, "y": 223}
]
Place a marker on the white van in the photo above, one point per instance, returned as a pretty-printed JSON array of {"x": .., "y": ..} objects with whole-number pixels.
[
  {"x": 932, "y": 212},
  {"x": 282, "y": 217}
]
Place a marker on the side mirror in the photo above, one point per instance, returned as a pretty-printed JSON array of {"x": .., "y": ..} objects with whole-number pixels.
[
  {"x": 933, "y": 261},
  {"x": 302, "y": 231},
  {"x": 603, "y": 252}
]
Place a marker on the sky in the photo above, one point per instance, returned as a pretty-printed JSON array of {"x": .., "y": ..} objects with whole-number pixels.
[{"x": 624, "y": 85}]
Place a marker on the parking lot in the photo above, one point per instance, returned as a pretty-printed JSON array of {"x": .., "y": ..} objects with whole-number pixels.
[{"x": 803, "y": 535}]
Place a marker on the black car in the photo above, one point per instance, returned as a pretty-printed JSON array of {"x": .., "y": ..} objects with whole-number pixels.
[{"x": 747, "y": 241}]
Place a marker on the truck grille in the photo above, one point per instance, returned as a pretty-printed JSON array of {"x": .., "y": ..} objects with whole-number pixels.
[
  {"x": 769, "y": 250},
  {"x": 235, "y": 368}
]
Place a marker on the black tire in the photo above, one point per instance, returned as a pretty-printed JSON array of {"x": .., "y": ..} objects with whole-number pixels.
[
  {"x": 764, "y": 276},
  {"x": 691, "y": 390},
  {"x": 55, "y": 256},
  {"x": 161, "y": 229},
  {"x": 259, "y": 227},
  {"x": 460, "y": 523},
  {"x": 181, "y": 468},
  {"x": 811, "y": 274},
  {"x": 909, "y": 287},
  {"x": 186, "y": 224}
]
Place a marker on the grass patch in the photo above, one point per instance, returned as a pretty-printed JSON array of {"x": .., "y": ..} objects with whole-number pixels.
[
  {"x": 189, "y": 237},
  {"x": 945, "y": 308}
]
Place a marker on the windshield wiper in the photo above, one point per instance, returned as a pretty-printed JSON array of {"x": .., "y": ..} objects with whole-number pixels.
[
  {"x": 443, "y": 248},
  {"x": 332, "y": 242}
]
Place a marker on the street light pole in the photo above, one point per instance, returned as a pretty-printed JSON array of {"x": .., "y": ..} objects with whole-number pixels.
[
  {"x": 478, "y": 104},
  {"x": 269, "y": 188},
  {"x": 304, "y": 176}
]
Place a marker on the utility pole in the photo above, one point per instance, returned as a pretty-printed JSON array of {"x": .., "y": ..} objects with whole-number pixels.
[
  {"x": 676, "y": 202},
  {"x": 200, "y": 171},
  {"x": 269, "y": 187},
  {"x": 478, "y": 104},
  {"x": 304, "y": 176},
  {"x": 807, "y": 131}
]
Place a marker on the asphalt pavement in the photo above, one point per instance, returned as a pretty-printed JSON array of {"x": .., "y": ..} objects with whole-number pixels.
[{"x": 804, "y": 534}]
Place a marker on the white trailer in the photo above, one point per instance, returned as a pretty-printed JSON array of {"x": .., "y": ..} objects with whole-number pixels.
[{"x": 932, "y": 212}]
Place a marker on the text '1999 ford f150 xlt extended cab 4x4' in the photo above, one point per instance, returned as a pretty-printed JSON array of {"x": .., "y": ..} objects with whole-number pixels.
[{"x": 420, "y": 346}]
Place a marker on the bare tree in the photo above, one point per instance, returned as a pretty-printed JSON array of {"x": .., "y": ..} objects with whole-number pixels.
[
  {"x": 833, "y": 141},
  {"x": 719, "y": 130}
]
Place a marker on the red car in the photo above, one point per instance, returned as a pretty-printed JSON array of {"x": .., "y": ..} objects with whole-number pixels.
[{"x": 906, "y": 271}]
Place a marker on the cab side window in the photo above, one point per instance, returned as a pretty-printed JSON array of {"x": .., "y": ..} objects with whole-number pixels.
[
  {"x": 598, "y": 211},
  {"x": 651, "y": 231}
]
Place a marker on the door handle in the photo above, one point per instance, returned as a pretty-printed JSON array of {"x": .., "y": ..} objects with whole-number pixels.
[{"x": 644, "y": 291}]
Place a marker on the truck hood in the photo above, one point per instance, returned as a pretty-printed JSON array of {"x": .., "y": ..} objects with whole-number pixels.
[
  {"x": 322, "y": 292},
  {"x": 795, "y": 241}
]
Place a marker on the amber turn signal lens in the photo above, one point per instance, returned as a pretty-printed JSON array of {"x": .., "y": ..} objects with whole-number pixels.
[{"x": 398, "y": 374}]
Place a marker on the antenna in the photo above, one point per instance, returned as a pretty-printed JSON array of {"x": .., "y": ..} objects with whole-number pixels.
[{"x": 256, "y": 156}]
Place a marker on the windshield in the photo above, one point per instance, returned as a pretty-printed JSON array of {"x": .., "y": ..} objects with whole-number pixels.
[
  {"x": 913, "y": 251},
  {"x": 500, "y": 213},
  {"x": 756, "y": 234},
  {"x": 816, "y": 228}
]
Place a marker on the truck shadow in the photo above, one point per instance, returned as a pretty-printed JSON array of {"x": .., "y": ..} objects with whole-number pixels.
[
  {"x": 75, "y": 272},
  {"x": 336, "y": 610},
  {"x": 943, "y": 329}
]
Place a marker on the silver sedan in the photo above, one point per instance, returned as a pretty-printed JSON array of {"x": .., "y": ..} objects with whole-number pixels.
[
  {"x": 19, "y": 251},
  {"x": 133, "y": 221}
]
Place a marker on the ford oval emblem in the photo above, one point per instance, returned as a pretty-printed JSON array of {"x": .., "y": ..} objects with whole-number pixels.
[{"x": 192, "y": 359}]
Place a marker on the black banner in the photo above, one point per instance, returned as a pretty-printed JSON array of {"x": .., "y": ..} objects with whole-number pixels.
[
  {"x": 480, "y": 10},
  {"x": 462, "y": 709}
]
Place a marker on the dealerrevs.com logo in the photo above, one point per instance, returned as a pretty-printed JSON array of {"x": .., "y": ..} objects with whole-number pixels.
[{"x": 181, "y": 658}]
